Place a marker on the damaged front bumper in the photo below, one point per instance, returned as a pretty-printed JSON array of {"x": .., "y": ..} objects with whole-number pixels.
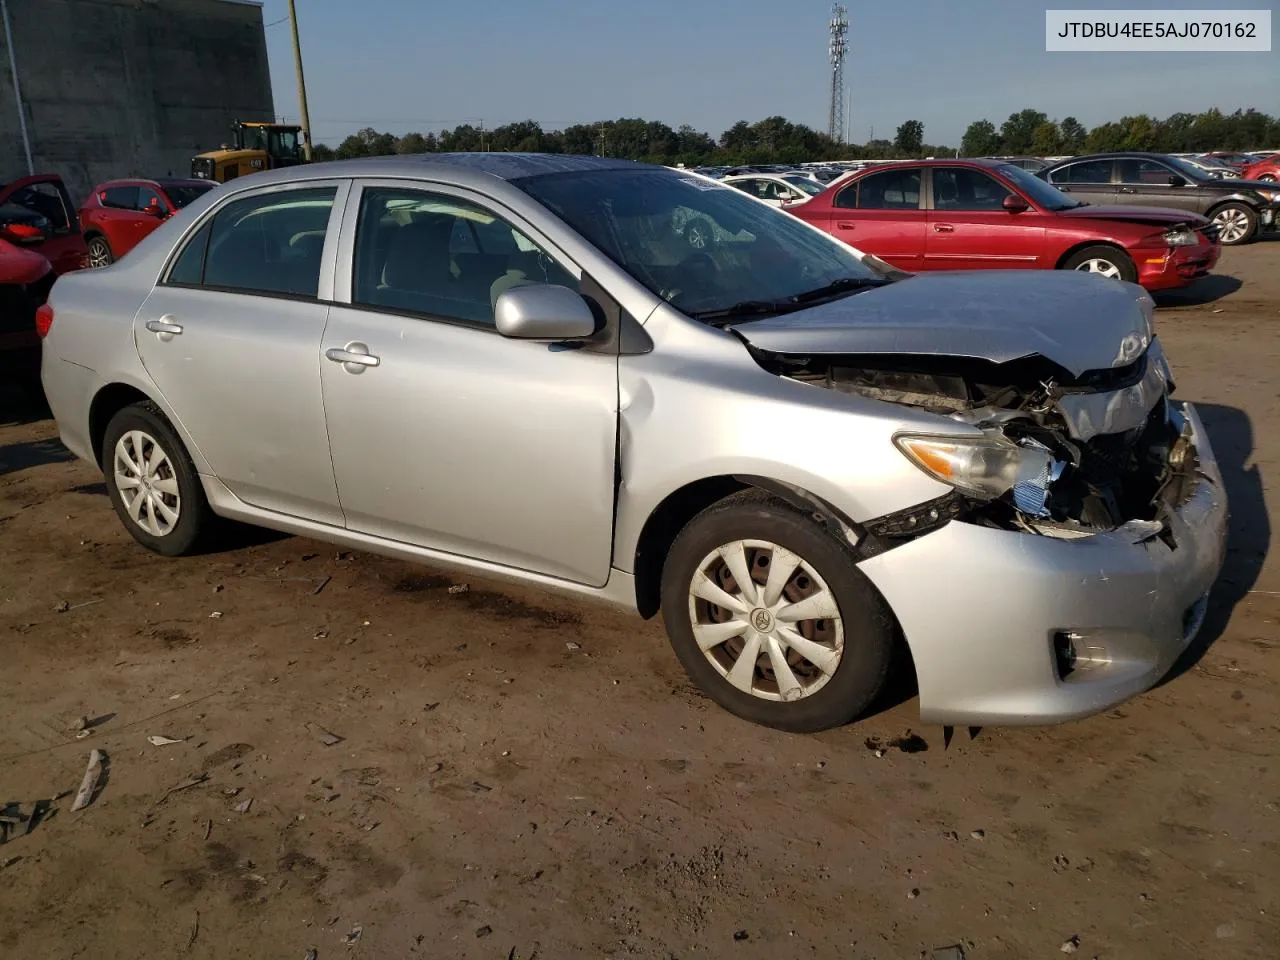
[{"x": 1007, "y": 627}]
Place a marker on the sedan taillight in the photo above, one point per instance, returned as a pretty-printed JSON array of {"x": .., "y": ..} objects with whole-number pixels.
[{"x": 44, "y": 320}]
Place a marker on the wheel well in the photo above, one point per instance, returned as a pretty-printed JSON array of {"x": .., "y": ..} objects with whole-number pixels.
[
  {"x": 109, "y": 401},
  {"x": 92, "y": 232},
  {"x": 1072, "y": 251},
  {"x": 1228, "y": 200},
  {"x": 673, "y": 513}
]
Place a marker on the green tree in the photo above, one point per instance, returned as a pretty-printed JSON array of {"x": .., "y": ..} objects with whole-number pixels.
[
  {"x": 321, "y": 152},
  {"x": 1104, "y": 138},
  {"x": 412, "y": 143},
  {"x": 980, "y": 139},
  {"x": 910, "y": 138},
  {"x": 1139, "y": 133},
  {"x": 352, "y": 146},
  {"x": 1073, "y": 134},
  {"x": 1017, "y": 132},
  {"x": 1047, "y": 140}
]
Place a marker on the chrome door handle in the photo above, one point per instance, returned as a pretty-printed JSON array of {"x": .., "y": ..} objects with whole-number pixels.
[
  {"x": 845, "y": 225},
  {"x": 943, "y": 228},
  {"x": 354, "y": 357},
  {"x": 164, "y": 328}
]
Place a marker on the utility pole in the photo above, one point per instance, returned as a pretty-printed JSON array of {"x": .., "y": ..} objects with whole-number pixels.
[
  {"x": 17, "y": 90},
  {"x": 838, "y": 28},
  {"x": 302, "y": 84}
]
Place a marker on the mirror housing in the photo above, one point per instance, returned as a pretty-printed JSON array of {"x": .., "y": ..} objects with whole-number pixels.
[
  {"x": 1177, "y": 180},
  {"x": 1015, "y": 204},
  {"x": 154, "y": 209},
  {"x": 23, "y": 234},
  {"x": 543, "y": 311}
]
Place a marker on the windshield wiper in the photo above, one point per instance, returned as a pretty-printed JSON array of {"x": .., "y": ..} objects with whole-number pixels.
[
  {"x": 755, "y": 309},
  {"x": 843, "y": 285},
  {"x": 747, "y": 308}
]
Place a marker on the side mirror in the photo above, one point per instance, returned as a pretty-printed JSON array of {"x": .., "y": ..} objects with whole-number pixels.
[
  {"x": 23, "y": 234},
  {"x": 153, "y": 209},
  {"x": 1177, "y": 180},
  {"x": 543, "y": 311},
  {"x": 1015, "y": 204}
]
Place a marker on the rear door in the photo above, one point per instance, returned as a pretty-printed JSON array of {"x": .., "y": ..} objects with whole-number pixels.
[
  {"x": 969, "y": 229},
  {"x": 1150, "y": 183},
  {"x": 47, "y": 196},
  {"x": 231, "y": 338},
  {"x": 883, "y": 213},
  {"x": 1089, "y": 181}
]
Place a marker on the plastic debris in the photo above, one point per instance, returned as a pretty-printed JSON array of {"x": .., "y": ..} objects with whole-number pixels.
[
  {"x": 92, "y": 777},
  {"x": 354, "y": 936},
  {"x": 484, "y": 931},
  {"x": 244, "y": 805},
  {"x": 323, "y": 735},
  {"x": 1070, "y": 945},
  {"x": 159, "y": 741}
]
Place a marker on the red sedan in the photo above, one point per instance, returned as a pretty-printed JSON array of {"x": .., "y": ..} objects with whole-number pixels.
[
  {"x": 980, "y": 214},
  {"x": 1268, "y": 168},
  {"x": 119, "y": 213}
]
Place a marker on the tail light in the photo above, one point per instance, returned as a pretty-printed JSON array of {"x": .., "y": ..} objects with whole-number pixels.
[{"x": 44, "y": 320}]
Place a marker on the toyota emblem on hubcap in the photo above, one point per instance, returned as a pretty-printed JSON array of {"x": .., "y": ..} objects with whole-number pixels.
[{"x": 762, "y": 620}]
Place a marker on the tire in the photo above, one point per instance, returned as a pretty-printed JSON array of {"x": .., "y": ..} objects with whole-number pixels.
[
  {"x": 858, "y": 641},
  {"x": 100, "y": 254},
  {"x": 1238, "y": 221},
  {"x": 1105, "y": 260},
  {"x": 699, "y": 234},
  {"x": 1268, "y": 177},
  {"x": 182, "y": 517}
]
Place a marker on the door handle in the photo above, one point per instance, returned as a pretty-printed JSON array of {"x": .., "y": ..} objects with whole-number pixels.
[
  {"x": 164, "y": 328},
  {"x": 845, "y": 224},
  {"x": 354, "y": 357},
  {"x": 943, "y": 228}
]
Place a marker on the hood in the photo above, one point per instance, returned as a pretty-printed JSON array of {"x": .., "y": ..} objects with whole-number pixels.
[
  {"x": 1079, "y": 321},
  {"x": 1159, "y": 216},
  {"x": 1242, "y": 184},
  {"x": 19, "y": 266}
]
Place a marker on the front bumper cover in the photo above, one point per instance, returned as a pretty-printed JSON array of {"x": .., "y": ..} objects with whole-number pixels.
[{"x": 980, "y": 608}]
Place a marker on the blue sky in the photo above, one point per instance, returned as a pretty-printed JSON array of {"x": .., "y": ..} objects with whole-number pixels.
[{"x": 401, "y": 65}]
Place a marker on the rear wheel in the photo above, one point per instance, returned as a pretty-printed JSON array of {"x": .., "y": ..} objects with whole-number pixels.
[
  {"x": 770, "y": 616},
  {"x": 100, "y": 254},
  {"x": 1105, "y": 261},
  {"x": 152, "y": 483},
  {"x": 1237, "y": 223}
]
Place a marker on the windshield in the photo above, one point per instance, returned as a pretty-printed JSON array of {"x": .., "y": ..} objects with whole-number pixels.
[
  {"x": 1186, "y": 169},
  {"x": 804, "y": 183},
  {"x": 1043, "y": 194},
  {"x": 183, "y": 195},
  {"x": 700, "y": 245}
]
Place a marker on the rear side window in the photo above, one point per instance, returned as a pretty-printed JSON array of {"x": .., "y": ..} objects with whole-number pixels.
[
  {"x": 189, "y": 267},
  {"x": 888, "y": 190},
  {"x": 269, "y": 243},
  {"x": 1089, "y": 171},
  {"x": 120, "y": 198},
  {"x": 1133, "y": 170}
]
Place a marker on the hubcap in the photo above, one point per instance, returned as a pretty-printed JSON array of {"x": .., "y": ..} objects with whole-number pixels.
[
  {"x": 765, "y": 619},
  {"x": 99, "y": 254},
  {"x": 147, "y": 483},
  {"x": 1232, "y": 225},
  {"x": 1104, "y": 267}
]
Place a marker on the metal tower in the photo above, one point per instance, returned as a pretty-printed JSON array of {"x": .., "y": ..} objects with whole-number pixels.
[{"x": 839, "y": 29}]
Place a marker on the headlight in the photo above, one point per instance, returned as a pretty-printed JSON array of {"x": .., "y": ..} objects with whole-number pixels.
[
  {"x": 1272, "y": 195},
  {"x": 1181, "y": 238},
  {"x": 984, "y": 467}
]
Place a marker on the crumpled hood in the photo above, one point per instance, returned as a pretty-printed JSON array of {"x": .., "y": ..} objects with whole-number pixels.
[
  {"x": 1077, "y": 320},
  {"x": 1161, "y": 216}
]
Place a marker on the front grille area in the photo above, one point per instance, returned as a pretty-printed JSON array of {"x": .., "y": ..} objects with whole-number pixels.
[{"x": 1123, "y": 472}]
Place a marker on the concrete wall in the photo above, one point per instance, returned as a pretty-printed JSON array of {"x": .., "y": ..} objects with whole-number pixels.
[{"x": 118, "y": 88}]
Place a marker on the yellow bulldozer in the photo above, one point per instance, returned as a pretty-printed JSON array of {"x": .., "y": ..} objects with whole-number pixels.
[{"x": 254, "y": 147}]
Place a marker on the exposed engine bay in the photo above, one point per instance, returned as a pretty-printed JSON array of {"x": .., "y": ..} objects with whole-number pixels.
[{"x": 1107, "y": 447}]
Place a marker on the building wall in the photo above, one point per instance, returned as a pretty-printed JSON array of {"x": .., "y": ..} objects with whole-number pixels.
[{"x": 117, "y": 88}]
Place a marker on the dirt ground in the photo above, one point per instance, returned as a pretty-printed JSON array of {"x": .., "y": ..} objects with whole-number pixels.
[{"x": 520, "y": 775}]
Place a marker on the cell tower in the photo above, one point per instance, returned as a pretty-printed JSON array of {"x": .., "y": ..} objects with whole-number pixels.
[{"x": 839, "y": 28}]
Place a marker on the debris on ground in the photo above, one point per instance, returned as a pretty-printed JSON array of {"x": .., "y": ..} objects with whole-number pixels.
[
  {"x": 92, "y": 777},
  {"x": 216, "y": 615},
  {"x": 951, "y": 835},
  {"x": 740, "y": 935},
  {"x": 321, "y": 585},
  {"x": 208, "y": 828},
  {"x": 1061, "y": 862},
  {"x": 323, "y": 735},
  {"x": 913, "y": 893},
  {"x": 195, "y": 931},
  {"x": 570, "y": 645},
  {"x": 312, "y": 954},
  {"x": 460, "y": 588},
  {"x": 953, "y": 952},
  {"x": 62, "y": 607},
  {"x": 484, "y": 931},
  {"x": 1070, "y": 945},
  {"x": 192, "y": 781},
  {"x": 244, "y": 805},
  {"x": 435, "y": 767},
  {"x": 79, "y": 724},
  {"x": 977, "y": 834},
  {"x": 479, "y": 787},
  {"x": 907, "y": 743},
  {"x": 160, "y": 741},
  {"x": 354, "y": 936}
]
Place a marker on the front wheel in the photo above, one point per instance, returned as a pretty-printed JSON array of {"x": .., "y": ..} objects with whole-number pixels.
[
  {"x": 1103, "y": 260},
  {"x": 1237, "y": 223},
  {"x": 769, "y": 615},
  {"x": 100, "y": 254}
]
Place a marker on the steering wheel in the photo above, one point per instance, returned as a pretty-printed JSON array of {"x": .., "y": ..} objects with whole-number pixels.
[{"x": 701, "y": 269}]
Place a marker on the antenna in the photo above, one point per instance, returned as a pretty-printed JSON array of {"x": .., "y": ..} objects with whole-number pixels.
[{"x": 839, "y": 30}]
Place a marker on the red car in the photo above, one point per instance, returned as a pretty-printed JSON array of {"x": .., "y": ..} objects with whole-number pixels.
[
  {"x": 119, "y": 213},
  {"x": 988, "y": 214},
  {"x": 1268, "y": 168},
  {"x": 25, "y": 279},
  {"x": 41, "y": 209}
]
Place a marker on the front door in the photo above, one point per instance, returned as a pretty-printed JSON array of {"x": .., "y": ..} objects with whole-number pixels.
[
  {"x": 445, "y": 434},
  {"x": 1152, "y": 184},
  {"x": 47, "y": 196},
  {"x": 969, "y": 229},
  {"x": 883, "y": 214},
  {"x": 231, "y": 338},
  {"x": 1088, "y": 181}
]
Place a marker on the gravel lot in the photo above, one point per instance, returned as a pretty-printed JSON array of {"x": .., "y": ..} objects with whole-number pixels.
[{"x": 522, "y": 775}]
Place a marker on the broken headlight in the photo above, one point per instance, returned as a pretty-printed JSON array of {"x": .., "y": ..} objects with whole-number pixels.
[{"x": 983, "y": 467}]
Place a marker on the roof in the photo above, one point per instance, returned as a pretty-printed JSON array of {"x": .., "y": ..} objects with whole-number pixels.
[{"x": 504, "y": 166}]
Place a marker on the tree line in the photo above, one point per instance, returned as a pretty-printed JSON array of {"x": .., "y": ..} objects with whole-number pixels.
[{"x": 778, "y": 140}]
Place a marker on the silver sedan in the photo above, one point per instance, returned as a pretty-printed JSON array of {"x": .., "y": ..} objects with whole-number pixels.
[{"x": 639, "y": 385}]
